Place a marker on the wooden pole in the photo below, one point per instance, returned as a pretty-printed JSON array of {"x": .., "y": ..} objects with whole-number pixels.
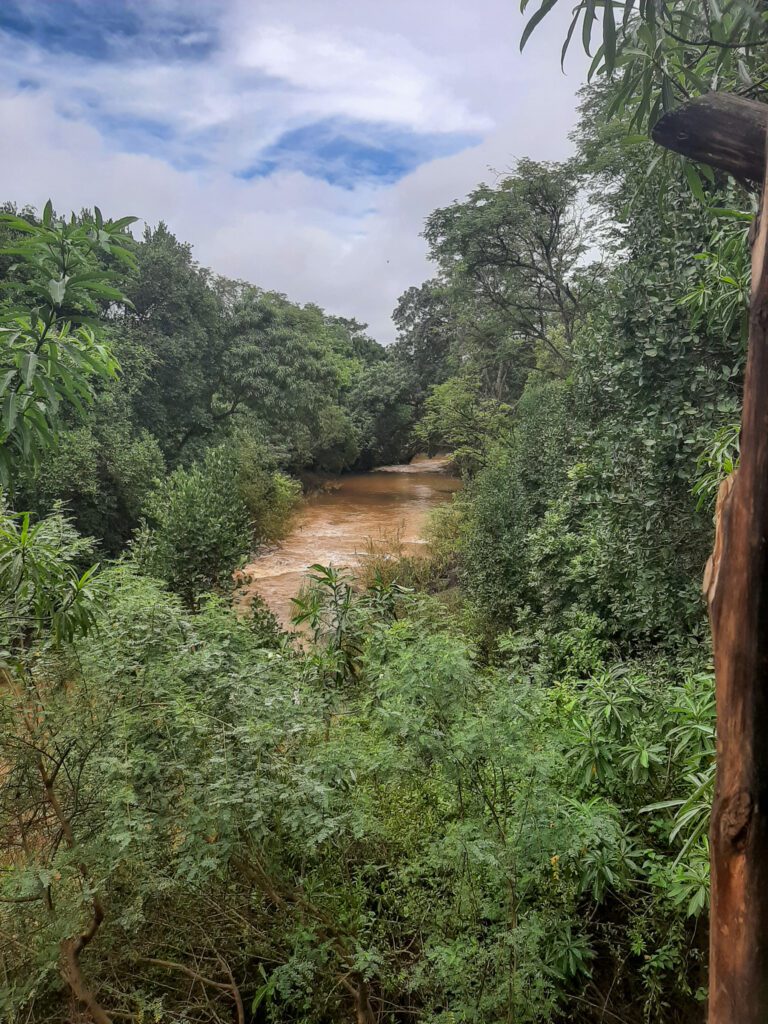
[
  {"x": 737, "y": 593},
  {"x": 729, "y": 132},
  {"x": 720, "y": 129}
]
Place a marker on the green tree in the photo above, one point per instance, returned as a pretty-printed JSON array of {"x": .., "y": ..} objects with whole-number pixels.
[
  {"x": 662, "y": 54},
  {"x": 513, "y": 253},
  {"x": 52, "y": 341},
  {"x": 458, "y": 417},
  {"x": 428, "y": 334},
  {"x": 382, "y": 402}
]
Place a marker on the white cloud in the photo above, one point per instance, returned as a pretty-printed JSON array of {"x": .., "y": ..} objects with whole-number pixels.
[
  {"x": 336, "y": 77},
  {"x": 431, "y": 66}
]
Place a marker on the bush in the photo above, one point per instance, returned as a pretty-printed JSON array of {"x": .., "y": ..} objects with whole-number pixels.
[
  {"x": 477, "y": 849},
  {"x": 509, "y": 497},
  {"x": 204, "y": 520},
  {"x": 200, "y": 528},
  {"x": 102, "y": 472},
  {"x": 269, "y": 495}
]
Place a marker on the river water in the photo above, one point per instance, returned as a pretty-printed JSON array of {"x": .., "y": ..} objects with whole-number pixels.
[{"x": 336, "y": 525}]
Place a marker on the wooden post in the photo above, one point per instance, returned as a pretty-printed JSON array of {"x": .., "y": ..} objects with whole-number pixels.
[
  {"x": 736, "y": 584},
  {"x": 725, "y": 131},
  {"x": 738, "y": 605}
]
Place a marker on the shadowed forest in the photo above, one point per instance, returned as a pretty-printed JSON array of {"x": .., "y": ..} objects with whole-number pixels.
[{"x": 475, "y": 786}]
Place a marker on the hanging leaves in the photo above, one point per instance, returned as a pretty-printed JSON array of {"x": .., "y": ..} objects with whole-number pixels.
[{"x": 667, "y": 53}]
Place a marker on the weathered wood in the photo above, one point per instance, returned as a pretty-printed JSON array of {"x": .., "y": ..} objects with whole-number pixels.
[
  {"x": 737, "y": 591},
  {"x": 725, "y": 131}
]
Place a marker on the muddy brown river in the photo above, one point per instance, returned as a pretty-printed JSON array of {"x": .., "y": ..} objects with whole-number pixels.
[{"x": 337, "y": 525}]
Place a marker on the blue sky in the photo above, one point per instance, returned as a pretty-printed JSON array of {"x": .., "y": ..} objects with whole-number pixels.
[{"x": 296, "y": 143}]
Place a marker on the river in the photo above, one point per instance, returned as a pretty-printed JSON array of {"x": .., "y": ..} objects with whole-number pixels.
[{"x": 335, "y": 525}]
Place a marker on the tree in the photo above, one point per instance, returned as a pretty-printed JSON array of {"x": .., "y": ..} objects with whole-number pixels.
[
  {"x": 515, "y": 249},
  {"x": 458, "y": 417},
  {"x": 52, "y": 346},
  {"x": 661, "y": 54},
  {"x": 382, "y": 402},
  {"x": 171, "y": 334},
  {"x": 428, "y": 334}
]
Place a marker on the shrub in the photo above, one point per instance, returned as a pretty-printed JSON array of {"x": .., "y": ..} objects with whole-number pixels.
[
  {"x": 205, "y": 519},
  {"x": 269, "y": 495},
  {"x": 200, "y": 528}
]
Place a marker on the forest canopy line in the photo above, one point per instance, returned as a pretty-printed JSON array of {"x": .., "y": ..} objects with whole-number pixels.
[
  {"x": 201, "y": 360},
  {"x": 479, "y": 789}
]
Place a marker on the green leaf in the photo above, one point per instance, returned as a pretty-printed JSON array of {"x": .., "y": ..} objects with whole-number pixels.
[
  {"x": 694, "y": 182},
  {"x": 542, "y": 12},
  {"x": 57, "y": 290},
  {"x": 569, "y": 36},
  {"x": 609, "y": 37},
  {"x": 48, "y": 214},
  {"x": 123, "y": 222},
  {"x": 17, "y": 224},
  {"x": 586, "y": 28},
  {"x": 8, "y": 377},
  {"x": 28, "y": 366},
  {"x": 10, "y": 411},
  {"x": 720, "y": 211}
]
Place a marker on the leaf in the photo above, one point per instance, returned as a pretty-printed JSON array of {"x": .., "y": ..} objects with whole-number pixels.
[
  {"x": 103, "y": 290},
  {"x": 10, "y": 412},
  {"x": 720, "y": 211},
  {"x": 586, "y": 28},
  {"x": 609, "y": 37},
  {"x": 57, "y": 289},
  {"x": 123, "y": 222},
  {"x": 708, "y": 173},
  {"x": 542, "y": 12},
  {"x": 261, "y": 994},
  {"x": 17, "y": 224},
  {"x": 7, "y": 380},
  {"x": 694, "y": 182},
  {"x": 28, "y": 366},
  {"x": 595, "y": 63},
  {"x": 48, "y": 214},
  {"x": 569, "y": 36},
  {"x": 744, "y": 74}
]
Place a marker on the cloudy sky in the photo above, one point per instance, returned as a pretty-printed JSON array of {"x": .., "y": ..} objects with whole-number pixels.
[{"x": 296, "y": 143}]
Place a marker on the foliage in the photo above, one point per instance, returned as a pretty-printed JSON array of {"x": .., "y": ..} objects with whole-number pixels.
[
  {"x": 513, "y": 249},
  {"x": 101, "y": 470},
  {"x": 204, "y": 361},
  {"x": 426, "y": 335},
  {"x": 381, "y": 402},
  {"x": 269, "y": 495},
  {"x": 509, "y": 497},
  {"x": 200, "y": 529},
  {"x": 474, "y": 788},
  {"x": 457, "y": 417},
  {"x": 660, "y": 54},
  {"x": 51, "y": 346},
  {"x": 203, "y": 521},
  {"x": 239, "y": 834}
]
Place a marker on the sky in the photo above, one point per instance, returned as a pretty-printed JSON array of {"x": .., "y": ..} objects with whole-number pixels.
[{"x": 297, "y": 144}]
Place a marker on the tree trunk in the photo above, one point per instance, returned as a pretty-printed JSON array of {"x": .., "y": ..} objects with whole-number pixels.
[{"x": 737, "y": 591}]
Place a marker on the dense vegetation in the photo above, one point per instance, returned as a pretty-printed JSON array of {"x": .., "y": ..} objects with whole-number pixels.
[
  {"x": 479, "y": 789},
  {"x": 204, "y": 362}
]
